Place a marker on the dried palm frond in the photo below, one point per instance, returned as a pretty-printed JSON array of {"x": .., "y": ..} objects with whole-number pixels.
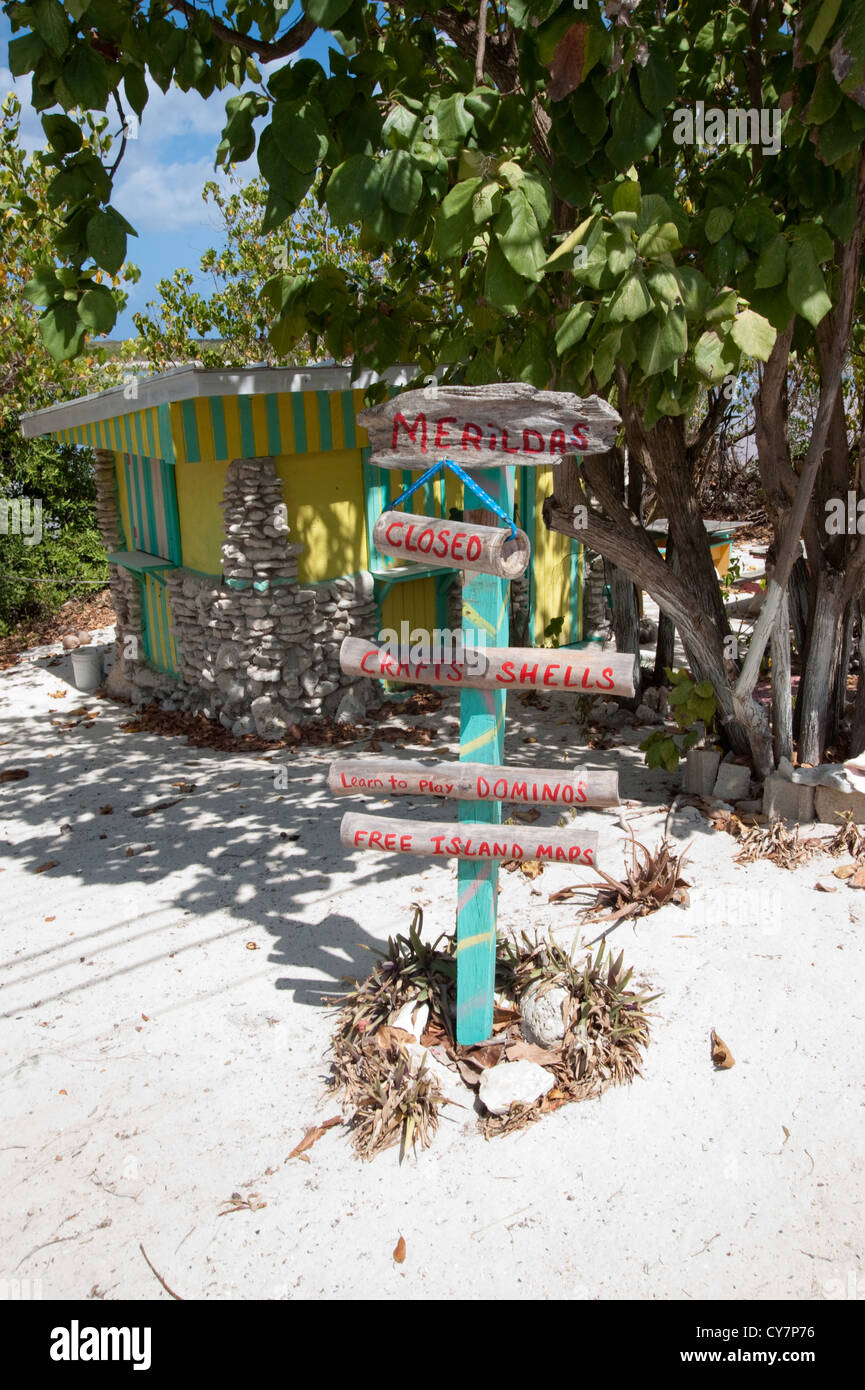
[
  {"x": 391, "y": 1102},
  {"x": 777, "y": 843},
  {"x": 606, "y": 1025},
  {"x": 651, "y": 881},
  {"x": 848, "y": 838}
]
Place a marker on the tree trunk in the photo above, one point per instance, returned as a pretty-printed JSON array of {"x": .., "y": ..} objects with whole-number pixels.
[
  {"x": 617, "y": 537},
  {"x": 626, "y": 622},
  {"x": 782, "y": 703},
  {"x": 812, "y": 705},
  {"x": 665, "y": 646},
  {"x": 798, "y": 590},
  {"x": 842, "y": 670},
  {"x": 857, "y": 732}
]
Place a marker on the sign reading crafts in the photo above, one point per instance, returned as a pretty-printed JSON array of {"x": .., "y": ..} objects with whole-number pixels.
[{"x": 487, "y": 426}]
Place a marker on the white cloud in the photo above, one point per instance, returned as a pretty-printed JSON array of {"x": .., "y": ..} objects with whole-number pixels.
[{"x": 160, "y": 197}]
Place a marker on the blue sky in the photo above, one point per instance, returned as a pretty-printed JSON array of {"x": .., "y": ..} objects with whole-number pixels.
[{"x": 158, "y": 185}]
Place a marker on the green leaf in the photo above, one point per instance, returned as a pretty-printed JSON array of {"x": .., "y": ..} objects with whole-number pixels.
[
  {"x": 823, "y": 22},
  {"x": 504, "y": 289},
  {"x": 817, "y": 238},
  {"x": 76, "y": 7},
  {"x": 722, "y": 306},
  {"x": 486, "y": 203},
  {"x": 97, "y": 309},
  {"x": 135, "y": 86},
  {"x": 658, "y": 241},
  {"x": 806, "y": 288},
  {"x": 51, "y": 23},
  {"x": 454, "y": 221},
  {"x": 84, "y": 80},
  {"x": 578, "y": 237},
  {"x": 772, "y": 265},
  {"x": 106, "y": 241},
  {"x": 630, "y": 301},
  {"x": 325, "y": 13},
  {"x": 755, "y": 223},
  {"x": 300, "y": 132},
  {"x": 705, "y": 690},
  {"x": 695, "y": 291},
  {"x": 714, "y": 357},
  {"x": 664, "y": 286},
  {"x": 402, "y": 184},
  {"x": 636, "y": 131},
  {"x": 825, "y": 98},
  {"x": 24, "y": 53},
  {"x": 571, "y": 327},
  {"x": 626, "y": 196},
  {"x": 64, "y": 136},
  {"x": 518, "y": 235},
  {"x": 718, "y": 221},
  {"x": 44, "y": 287},
  {"x": 662, "y": 344},
  {"x": 62, "y": 331},
  {"x": 353, "y": 189},
  {"x": 658, "y": 84}
]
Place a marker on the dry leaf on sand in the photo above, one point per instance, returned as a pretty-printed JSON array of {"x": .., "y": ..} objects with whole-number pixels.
[
  {"x": 399, "y": 1251},
  {"x": 313, "y": 1135},
  {"x": 721, "y": 1054}
]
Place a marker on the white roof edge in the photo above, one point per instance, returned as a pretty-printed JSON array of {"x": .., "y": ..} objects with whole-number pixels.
[{"x": 186, "y": 383}]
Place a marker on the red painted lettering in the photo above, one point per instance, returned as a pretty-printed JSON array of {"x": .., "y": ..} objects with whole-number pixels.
[
  {"x": 506, "y": 675},
  {"x": 581, "y": 791},
  {"x": 437, "y": 841},
  {"x": 505, "y": 447},
  {"x": 607, "y": 673},
  {"x": 531, "y": 678},
  {"x": 544, "y": 852},
  {"x": 520, "y": 791},
  {"x": 484, "y": 849},
  {"x": 472, "y": 434},
  {"x": 405, "y": 843},
  {"x": 441, "y": 546},
  {"x": 411, "y": 430},
  {"x": 550, "y": 793},
  {"x": 358, "y": 836},
  {"x": 579, "y": 437},
  {"x": 500, "y": 789},
  {"x": 474, "y": 548},
  {"x": 375, "y": 839},
  {"x": 557, "y": 442},
  {"x": 549, "y": 678},
  {"x": 441, "y": 432},
  {"x": 368, "y": 670},
  {"x": 408, "y": 535},
  {"x": 390, "y": 840},
  {"x": 392, "y": 526},
  {"x": 457, "y": 545},
  {"x": 527, "y": 448},
  {"x": 428, "y": 537},
  {"x": 483, "y": 787}
]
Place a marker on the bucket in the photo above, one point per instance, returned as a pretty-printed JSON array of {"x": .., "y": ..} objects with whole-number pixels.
[{"x": 87, "y": 667}]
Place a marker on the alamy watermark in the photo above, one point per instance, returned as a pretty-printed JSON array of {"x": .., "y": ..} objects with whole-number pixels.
[
  {"x": 738, "y": 126},
  {"x": 21, "y": 516},
  {"x": 439, "y": 646}
]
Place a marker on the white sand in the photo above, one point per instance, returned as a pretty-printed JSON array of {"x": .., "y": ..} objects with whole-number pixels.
[{"x": 119, "y": 1130}]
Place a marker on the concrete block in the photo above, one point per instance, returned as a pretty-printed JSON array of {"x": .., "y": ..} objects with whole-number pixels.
[
  {"x": 783, "y": 800},
  {"x": 827, "y": 800},
  {"x": 701, "y": 769},
  {"x": 733, "y": 782}
]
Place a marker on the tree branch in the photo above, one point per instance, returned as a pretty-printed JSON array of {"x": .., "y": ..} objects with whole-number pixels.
[
  {"x": 290, "y": 42},
  {"x": 482, "y": 41}
]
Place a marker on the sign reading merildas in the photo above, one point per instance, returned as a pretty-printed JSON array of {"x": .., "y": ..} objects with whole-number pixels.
[{"x": 487, "y": 426}]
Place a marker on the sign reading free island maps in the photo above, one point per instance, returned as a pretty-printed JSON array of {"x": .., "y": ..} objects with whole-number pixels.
[{"x": 486, "y": 426}]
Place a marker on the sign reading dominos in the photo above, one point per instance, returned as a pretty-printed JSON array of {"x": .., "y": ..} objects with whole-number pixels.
[{"x": 487, "y": 426}]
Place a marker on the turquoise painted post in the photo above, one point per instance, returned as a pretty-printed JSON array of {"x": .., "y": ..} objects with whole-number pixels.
[{"x": 482, "y": 736}]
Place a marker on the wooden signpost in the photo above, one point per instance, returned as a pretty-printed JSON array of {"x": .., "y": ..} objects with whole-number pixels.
[
  {"x": 464, "y": 781},
  {"x": 480, "y": 427},
  {"x": 487, "y": 426},
  {"x": 479, "y": 549},
  {"x": 559, "y": 671}
]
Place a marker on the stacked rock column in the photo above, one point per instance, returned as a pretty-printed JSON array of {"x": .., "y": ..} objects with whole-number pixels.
[{"x": 123, "y": 585}]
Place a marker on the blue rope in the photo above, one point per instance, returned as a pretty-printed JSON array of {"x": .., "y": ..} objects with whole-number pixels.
[{"x": 467, "y": 481}]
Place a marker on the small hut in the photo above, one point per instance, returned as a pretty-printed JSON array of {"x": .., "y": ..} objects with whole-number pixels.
[{"x": 238, "y": 509}]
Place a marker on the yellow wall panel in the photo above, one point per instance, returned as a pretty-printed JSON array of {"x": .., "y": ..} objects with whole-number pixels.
[
  {"x": 325, "y": 510},
  {"x": 199, "y": 492}
]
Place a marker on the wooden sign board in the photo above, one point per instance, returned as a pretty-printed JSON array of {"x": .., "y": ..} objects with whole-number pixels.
[
  {"x": 469, "y": 840},
  {"x": 561, "y": 672},
  {"x": 487, "y": 426},
  {"x": 425, "y": 540},
  {"x": 573, "y": 786}
]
